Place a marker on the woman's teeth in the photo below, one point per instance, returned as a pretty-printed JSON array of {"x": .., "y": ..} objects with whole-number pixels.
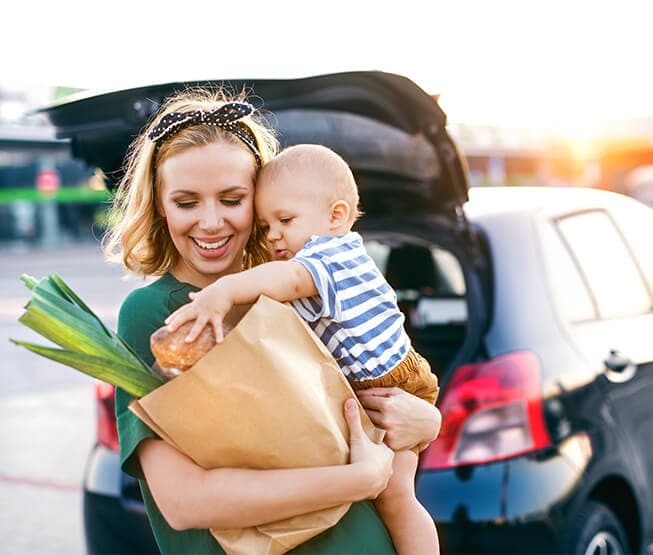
[{"x": 211, "y": 246}]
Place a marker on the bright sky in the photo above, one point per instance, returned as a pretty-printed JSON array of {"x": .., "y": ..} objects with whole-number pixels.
[{"x": 569, "y": 63}]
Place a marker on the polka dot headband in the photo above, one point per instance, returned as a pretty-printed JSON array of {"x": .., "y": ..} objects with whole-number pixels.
[{"x": 226, "y": 117}]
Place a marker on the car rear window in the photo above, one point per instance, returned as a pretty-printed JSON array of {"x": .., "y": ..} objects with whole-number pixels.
[
  {"x": 571, "y": 294},
  {"x": 606, "y": 264}
]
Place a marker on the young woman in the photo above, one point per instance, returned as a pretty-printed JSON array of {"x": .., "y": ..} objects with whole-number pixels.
[{"x": 185, "y": 213}]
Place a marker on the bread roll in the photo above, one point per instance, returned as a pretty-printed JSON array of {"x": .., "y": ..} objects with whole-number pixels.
[{"x": 172, "y": 352}]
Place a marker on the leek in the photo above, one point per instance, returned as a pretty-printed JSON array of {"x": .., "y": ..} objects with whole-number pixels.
[{"x": 59, "y": 315}]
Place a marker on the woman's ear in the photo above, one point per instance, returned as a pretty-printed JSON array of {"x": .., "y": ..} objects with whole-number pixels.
[{"x": 340, "y": 214}]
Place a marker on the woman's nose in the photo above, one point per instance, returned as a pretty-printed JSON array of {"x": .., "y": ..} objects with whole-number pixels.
[{"x": 211, "y": 218}]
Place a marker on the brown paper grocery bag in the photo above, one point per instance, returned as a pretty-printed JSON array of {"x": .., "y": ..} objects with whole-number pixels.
[{"x": 271, "y": 396}]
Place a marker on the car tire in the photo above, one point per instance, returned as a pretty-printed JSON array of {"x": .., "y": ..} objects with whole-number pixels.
[{"x": 596, "y": 530}]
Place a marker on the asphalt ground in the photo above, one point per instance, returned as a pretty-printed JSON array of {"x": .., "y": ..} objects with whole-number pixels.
[{"x": 47, "y": 410}]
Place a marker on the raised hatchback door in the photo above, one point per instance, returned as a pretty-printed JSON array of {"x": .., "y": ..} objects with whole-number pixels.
[{"x": 349, "y": 104}]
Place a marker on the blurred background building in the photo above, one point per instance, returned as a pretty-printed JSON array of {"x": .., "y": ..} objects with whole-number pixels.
[{"x": 45, "y": 195}]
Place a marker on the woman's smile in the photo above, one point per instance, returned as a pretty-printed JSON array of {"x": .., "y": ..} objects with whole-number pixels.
[{"x": 212, "y": 248}]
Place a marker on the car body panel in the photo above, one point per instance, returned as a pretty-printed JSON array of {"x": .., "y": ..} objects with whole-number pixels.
[
  {"x": 115, "y": 520},
  {"x": 581, "y": 399},
  {"x": 101, "y": 467}
]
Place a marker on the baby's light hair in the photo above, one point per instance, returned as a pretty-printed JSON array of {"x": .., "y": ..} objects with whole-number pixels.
[
  {"x": 138, "y": 236},
  {"x": 333, "y": 170}
]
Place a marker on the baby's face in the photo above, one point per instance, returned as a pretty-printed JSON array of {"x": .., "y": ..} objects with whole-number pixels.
[{"x": 290, "y": 208}]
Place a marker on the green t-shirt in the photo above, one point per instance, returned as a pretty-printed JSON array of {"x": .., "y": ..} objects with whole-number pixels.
[{"x": 143, "y": 311}]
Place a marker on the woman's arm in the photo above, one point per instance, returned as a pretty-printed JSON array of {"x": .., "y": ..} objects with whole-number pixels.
[
  {"x": 407, "y": 420},
  {"x": 189, "y": 496}
]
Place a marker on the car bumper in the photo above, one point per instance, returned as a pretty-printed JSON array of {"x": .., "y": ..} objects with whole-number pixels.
[
  {"x": 114, "y": 516},
  {"x": 516, "y": 506}
]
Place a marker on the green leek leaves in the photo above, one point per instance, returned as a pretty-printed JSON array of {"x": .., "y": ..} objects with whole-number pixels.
[{"x": 56, "y": 313}]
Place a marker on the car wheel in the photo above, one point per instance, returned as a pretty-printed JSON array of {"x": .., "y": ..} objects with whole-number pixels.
[{"x": 596, "y": 531}]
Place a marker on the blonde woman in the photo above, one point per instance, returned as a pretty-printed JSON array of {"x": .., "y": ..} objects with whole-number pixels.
[{"x": 184, "y": 213}]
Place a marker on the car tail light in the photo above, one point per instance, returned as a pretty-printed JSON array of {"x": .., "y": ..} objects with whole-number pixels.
[
  {"x": 490, "y": 411},
  {"x": 107, "y": 434}
]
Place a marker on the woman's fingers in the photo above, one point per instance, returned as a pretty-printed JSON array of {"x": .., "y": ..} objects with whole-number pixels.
[
  {"x": 353, "y": 419},
  {"x": 378, "y": 392},
  {"x": 376, "y": 417},
  {"x": 371, "y": 402},
  {"x": 373, "y": 460},
  {"x": 407, "y": 420}
]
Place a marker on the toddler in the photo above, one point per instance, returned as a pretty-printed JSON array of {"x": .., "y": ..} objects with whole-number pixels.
[{"x": 306, "y": 203}]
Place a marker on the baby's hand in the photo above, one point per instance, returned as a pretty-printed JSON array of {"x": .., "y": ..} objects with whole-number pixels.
[{"x": 208, "y": 306}]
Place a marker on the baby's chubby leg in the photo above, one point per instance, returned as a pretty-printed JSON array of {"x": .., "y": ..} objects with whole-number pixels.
[{"x": 411, "y": 527}]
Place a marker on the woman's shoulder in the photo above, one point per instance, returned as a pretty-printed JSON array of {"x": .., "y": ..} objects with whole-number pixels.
[
  {"x": 153, "y": 290},
  {"x": 145, "y": 309},
  {"x": 165, "y": 291},
  {"x": 142, "y": 312}
]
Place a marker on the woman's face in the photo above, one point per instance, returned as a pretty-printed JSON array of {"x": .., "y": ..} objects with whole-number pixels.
[{"x": 207, "y": 200}]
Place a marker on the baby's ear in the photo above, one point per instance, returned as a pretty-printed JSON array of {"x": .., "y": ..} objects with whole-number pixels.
[{"x": 340, "y": 213}]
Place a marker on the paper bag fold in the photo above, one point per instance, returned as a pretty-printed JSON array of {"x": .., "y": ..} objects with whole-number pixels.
[{"x": 271, "y": 396}]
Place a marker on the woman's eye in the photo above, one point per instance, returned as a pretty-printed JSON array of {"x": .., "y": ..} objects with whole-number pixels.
[
  {"x": 185, "y": 203},
  {"x": 231, "y": 201}
]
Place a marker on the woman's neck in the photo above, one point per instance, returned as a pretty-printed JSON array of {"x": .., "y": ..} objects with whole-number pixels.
[{"x": 183, "y": 273}]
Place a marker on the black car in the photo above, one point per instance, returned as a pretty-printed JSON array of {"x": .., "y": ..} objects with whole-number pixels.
[{"x": 533, "y": 305}]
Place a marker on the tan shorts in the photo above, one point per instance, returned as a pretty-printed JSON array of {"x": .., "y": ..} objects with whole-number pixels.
[{"x": 413, "y": 374}]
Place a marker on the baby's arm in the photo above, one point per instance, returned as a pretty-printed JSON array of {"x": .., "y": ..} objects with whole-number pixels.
[{"x": 282, "y": 280}]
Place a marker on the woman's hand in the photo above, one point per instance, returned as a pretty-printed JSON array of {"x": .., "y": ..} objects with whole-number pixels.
[
  {"x": 407, "y": 420},
  {"x": 373, "y": 459}
]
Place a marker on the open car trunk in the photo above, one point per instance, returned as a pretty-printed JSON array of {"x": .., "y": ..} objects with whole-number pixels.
[{"x": 411, "y": 177}]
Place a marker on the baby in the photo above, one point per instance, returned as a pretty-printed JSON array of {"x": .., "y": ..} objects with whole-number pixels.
[{"x": 306, "y": 203}]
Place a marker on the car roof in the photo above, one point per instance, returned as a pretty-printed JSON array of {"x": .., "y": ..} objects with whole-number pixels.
[{"x": 532, "y": 200}]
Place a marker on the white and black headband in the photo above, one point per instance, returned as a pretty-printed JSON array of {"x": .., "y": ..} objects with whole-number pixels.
[{"x": 226, "y": 117}]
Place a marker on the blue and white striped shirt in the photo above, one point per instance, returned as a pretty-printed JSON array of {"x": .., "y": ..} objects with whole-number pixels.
[{"x": 355, "y": 313}]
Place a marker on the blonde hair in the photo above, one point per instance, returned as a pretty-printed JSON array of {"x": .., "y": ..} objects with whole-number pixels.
[
  {"x": 138, "y": 236},
  {"x": 333, "y": 170}
]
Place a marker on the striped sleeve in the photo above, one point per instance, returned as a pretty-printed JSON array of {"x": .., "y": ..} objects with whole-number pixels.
[{"x": 324, "y": 304}]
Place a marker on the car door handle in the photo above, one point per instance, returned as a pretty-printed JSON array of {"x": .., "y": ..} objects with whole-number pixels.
[
  {"x": 616, "y": 361},
  {"x": 619, "y": 368}
]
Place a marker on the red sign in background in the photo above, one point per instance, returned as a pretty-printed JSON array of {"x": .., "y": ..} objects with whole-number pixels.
[{"x": 47, "y": 181}]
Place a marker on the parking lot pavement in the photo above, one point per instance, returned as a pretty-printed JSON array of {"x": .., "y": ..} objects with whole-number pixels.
[
  {"x": 44, "y": 438},
  {"x": 47, "y": 410},
  {"x": 37, "y": 521}
]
